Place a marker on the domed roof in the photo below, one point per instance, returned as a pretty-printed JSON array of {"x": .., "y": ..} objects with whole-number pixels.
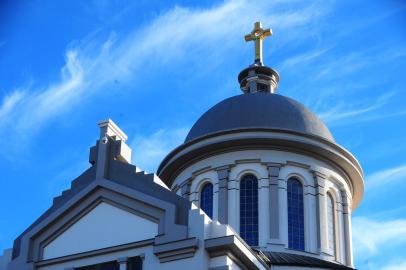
[{"x": 259, "y": 111}]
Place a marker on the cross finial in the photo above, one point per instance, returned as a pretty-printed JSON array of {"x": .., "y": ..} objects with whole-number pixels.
[{"x": 257, "y": 35}]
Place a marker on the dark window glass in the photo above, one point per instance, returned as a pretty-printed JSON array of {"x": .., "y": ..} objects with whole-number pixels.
[
  {"x": 206, "y": 199},
  {"x": 101, "y": 266},
  {"x": 295, "y": 214},
  {"x": 249, "y": 209},
  {"x": 134, "y": 263},
  {"x": 262, "y": 87}
]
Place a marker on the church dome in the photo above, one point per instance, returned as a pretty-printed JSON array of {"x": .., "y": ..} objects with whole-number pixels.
[{"x": 259, "y": 111}]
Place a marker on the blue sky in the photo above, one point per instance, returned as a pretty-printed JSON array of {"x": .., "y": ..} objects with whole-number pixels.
[{"x": 155, "y": 66}]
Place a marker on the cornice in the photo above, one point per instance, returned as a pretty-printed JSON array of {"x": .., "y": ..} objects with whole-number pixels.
[{"x": 313, "y": 146}]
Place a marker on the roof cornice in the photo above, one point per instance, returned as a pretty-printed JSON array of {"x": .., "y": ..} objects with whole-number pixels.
[{"x": 262, "y": 138}]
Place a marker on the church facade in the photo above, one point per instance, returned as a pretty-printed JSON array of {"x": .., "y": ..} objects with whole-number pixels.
[{"x": 259, "y": 183}]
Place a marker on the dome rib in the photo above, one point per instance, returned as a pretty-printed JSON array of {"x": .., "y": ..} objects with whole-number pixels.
[{"x": 259, "y": 110}]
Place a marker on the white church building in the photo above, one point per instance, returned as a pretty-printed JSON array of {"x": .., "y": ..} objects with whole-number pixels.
[{"x": 259, "y": 183}]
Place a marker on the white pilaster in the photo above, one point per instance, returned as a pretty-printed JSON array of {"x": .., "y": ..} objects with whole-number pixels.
[
  {"x": 321, "y": 213},
  {"x": 233, "y": 204},
  {"x": 347, "y": 230},
  {"x": 263, "y": 218},
  {"x": 283, "y": 214},
  {"x": 311, "y": 220}
]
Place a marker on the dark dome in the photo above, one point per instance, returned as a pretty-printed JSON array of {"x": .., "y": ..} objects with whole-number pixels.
[{"x": 259, "y": 110}]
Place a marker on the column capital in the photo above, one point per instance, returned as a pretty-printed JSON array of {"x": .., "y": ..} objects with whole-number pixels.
[
  {"x": 185, "y": 187},
  {"x": 318, "y": 174},
  {"x": 122, "y": 260},
  {"x": 320, "y": 180},
  {"x": 273, "y": 168},
  {"x": 223, "y": 171},
  {"x": 346, "y": 203},
  {"x": 273, "y": 164}
]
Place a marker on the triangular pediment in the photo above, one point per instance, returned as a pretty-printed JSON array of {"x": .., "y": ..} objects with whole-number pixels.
[{"x": 105, "y": 225}]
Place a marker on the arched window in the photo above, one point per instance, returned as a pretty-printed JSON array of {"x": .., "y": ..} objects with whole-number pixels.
[
  {"x": 249, "y": 209},
  {"x": 331, "y": 238},
  {"x": 206, "y": 199},
  {"x": 295, "y": 214}
]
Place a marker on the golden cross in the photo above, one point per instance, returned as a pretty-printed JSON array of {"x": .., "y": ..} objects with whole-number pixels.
[{"x": 257, "y": 35}]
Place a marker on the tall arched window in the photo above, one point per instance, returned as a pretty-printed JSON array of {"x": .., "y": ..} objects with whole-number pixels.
[
  {"x": 295, "y": 214},
  {"x": 331, "y": 238},
  {"x": 249, "y": 209},
  {"x": 206, "y": 199}
]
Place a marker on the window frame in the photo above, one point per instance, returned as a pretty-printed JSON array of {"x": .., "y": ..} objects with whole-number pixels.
[
  {"x": 303, "y": 216},
  {"x": 254, "y": 218},
  {"x": 204, "y": 185}
]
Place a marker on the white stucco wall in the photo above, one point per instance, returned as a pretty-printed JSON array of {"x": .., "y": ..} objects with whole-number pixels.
[
  {"x": 200, "y": 226},
  {"x": 104, "y": 226},
  {"x": 150, "y": 261},
  {"x": 222, "y": 261},
  {"x": 5, "y": 258},
  {"x": 293, "y": 164}
]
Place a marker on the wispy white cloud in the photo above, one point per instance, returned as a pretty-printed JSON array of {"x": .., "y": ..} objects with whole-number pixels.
[
  {"x": 148, "y": 151},
  {"x": 302, "y": 58},
  {"x": 10, "y": 101},
  {"x": 91, "y": 64},
  {"x": 339, "y": 112},
  {"x": 40, "y": 106},
  {"x": 371, "y": 236},
  {"x": 348, "y": 113},
  {"x": 342, "y": 65},
  {"x": 338, "y": 78},
  {"x": 384, "y": 177}
]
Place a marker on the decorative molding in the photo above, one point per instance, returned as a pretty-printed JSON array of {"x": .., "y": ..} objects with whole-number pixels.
[
  {"x": 298, "y": 164},
  {"x": 94, "y": 198},
  {"x": 108, "y": 127},
  {"x": 175, "y": 188},
  {"x": 122, "y": 260},
  {"x": 248, "y": 160},
  {"x": 176, "y": 250},
  {"x": 223, "y": 171},
  {"x": 228, "y": 246},
  {"x": 93, "y": 253},
  {"x": 169, "y": 227},
  {"x": 273, "y": 164},
  {"x": 185, "y": 188},
  {"x": 202, "y": 170},
  {"x": 318, "y": 174},
  {"x": 326, "y": 151}
]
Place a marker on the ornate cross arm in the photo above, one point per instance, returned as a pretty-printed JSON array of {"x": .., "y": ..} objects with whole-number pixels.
[{"x": 257, "y": 35}]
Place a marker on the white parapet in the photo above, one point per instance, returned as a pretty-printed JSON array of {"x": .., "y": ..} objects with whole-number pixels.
[{"x": 108, "y": 127}]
